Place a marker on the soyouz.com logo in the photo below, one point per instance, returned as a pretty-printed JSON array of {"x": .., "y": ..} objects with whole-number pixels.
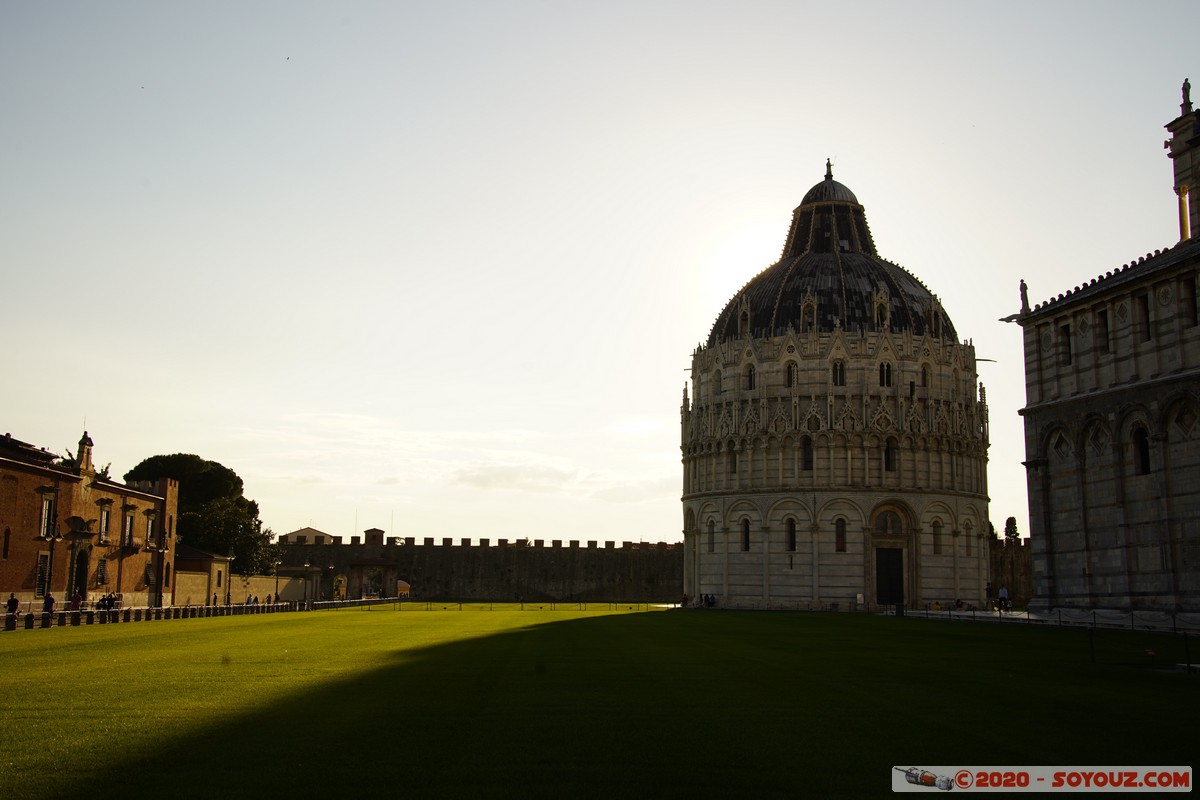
[{"x": 1042, "y": 779}]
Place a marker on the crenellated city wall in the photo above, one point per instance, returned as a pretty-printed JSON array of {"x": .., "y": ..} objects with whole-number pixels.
[{"x": 504, "y": 570}]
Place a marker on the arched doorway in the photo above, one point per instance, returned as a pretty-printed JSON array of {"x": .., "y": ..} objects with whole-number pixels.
[
  {"x": 889, "y": 575},
  {"x": 80, "y": 578},
  {"x": 889, "y": 534}
]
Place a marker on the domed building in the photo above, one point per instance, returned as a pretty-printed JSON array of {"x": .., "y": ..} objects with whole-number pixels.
[{"x": 834, "y": 446}]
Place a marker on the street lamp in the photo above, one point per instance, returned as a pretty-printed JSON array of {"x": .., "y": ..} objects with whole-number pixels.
[
  {"x": 48, "y": 530},
  {"x": 277, "y": 563},
  {"x": 50, "y": 536},
  {"x": 306, "y": 566}
]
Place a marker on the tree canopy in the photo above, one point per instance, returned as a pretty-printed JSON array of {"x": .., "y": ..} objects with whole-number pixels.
[
  {"x": 214, "y": 515},
  {"x": 1010, "y": 529}
]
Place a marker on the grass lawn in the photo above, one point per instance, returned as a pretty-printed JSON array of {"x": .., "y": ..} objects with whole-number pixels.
[{"x": 569, "y": 703}]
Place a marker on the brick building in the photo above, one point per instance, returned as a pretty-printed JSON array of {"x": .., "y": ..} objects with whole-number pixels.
[{"x": 69, "y": 529}]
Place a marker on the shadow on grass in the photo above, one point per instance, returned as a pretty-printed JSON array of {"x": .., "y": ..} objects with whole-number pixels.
[{"x": 668, "y": 704}]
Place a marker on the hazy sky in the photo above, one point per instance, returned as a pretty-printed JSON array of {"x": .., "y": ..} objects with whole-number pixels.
[{"x": 439, "y": 268}]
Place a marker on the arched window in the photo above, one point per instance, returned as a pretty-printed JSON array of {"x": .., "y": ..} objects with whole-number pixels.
[
  {"x": 712, "y": 536},
  {"x": 732, "y": 457},
  {"x": 1141, "y": 451},
  {"x": 716, "y": 383},
  {"x": 749, "y": 376},
  {"x": 839, "y": 535},
  {"x": 744, "y": 323},
  {"x": 891, "y": 454},
  {"x": 924, "y": 375},
  {"x": 792, "y": 374},
  {"x": 745, "y": 536},
  {"x": 791, "y": 535},
  {"x": 937, "y": 537},
  {"x": 806, "y": 453},
  {"x": 969, "y": 536},
  {"x": 839, "y": 373},
  {"x": 885, "y": 374}
]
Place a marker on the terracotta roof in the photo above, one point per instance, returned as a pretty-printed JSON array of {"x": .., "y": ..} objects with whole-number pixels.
[{"x": 1127, "y": 273}]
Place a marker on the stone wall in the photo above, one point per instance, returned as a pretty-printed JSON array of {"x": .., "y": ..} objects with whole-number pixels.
[
  {"x": 494, "y": 570},
  {"x": 1012, "y": 567},
  {"x": 196, "y": 588}
]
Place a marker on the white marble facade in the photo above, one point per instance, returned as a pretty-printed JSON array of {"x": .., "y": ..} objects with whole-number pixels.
[
  {"x": 834, "y": 436},
  {"x": 1112, "y": 424}
]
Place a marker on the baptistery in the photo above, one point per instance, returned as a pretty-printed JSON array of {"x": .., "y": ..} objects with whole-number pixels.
[{"x": 834, "y": 435}]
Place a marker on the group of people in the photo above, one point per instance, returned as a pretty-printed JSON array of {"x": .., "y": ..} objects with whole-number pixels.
[
  {"x": 703, "y": 601},
  {"x": 108, "y": 602},
  {"x": 251, "y": 600},
  {"x": 1000, "y": 602},
  {"x": 959, "y": 605},
  {"x": 50, "y": 604}
]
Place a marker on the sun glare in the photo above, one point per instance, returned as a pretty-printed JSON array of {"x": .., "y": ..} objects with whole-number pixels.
[{"x": 737, "y": 254}]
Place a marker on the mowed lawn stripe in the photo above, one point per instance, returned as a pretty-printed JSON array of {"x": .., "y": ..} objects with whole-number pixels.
[{"x": 537, "y": 703}]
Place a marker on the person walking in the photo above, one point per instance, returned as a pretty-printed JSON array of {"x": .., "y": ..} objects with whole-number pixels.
[
  {"x": 12, "y": 604},
  {"x": 1004, "y": 604}
]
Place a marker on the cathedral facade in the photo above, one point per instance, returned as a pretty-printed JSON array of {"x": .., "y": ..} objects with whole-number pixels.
[
  {"x": 835, "y": 438},
  {"x": 1112, "y": 422}
]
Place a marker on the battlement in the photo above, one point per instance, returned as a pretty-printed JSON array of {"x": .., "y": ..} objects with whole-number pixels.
[
  {"x": 375, "y": 536},
  {"x": 485, "y": 568}
]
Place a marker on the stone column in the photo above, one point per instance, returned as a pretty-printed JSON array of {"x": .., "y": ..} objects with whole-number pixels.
[
  {"x": 766, "y": 542},
  {"x": 724, "y": 563}
]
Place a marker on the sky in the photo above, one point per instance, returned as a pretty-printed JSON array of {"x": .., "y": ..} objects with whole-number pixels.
[{"x": 439, "y": 268}]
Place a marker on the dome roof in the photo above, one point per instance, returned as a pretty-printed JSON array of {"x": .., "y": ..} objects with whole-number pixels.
[
  {"x": 829, "y": 191},
  {"x": 831, "y": 276}
]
